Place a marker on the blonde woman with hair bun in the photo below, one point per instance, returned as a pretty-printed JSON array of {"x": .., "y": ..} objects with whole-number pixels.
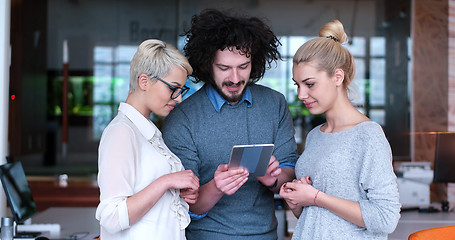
[{"x": 345, "y": 186}]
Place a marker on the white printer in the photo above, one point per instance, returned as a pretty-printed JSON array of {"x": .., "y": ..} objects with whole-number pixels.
[{"x": 414, "y": 180}]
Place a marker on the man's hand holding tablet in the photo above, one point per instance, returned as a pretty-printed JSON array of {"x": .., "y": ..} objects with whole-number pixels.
[{"x": 255, "y": 158}]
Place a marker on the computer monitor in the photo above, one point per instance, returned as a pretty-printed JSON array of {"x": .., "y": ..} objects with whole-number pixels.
[
  {"x": 17, "y": 191},
  {"x": 444, "y": 161}
]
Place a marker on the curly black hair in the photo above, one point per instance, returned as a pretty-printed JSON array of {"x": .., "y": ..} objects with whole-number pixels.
[{"x": 213, "y": 30}]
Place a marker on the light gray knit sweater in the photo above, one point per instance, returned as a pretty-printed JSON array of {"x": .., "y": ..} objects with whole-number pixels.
[{"x": 355, "y": 164}]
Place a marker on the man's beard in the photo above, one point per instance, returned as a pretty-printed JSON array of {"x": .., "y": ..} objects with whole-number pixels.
[{"x": 232, "y": 98}]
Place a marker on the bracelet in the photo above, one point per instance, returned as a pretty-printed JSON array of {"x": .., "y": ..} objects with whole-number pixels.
[
  {"x": 316, "y": 196},
  {"x": 274, "y": 185}
]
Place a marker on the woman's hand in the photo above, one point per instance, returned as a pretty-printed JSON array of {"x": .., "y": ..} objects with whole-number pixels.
[
  {"x": 140, "y": 203},
  {"x": 188, "y": 183},
  {"x": 298, "y": 193},
  {"x": 185, "y": 179},
  {"x": 189, "y": 195}
]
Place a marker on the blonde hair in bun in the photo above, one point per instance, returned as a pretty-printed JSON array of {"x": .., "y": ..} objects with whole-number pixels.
[
  {"x": 334, "y": 29},
  {"x": 328, "y": 53}
]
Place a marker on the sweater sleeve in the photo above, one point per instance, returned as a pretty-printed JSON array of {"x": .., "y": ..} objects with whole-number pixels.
[
  {"x": 285, "y": 146},
  {"x": 380, "y": 209},
  {"x": 178, "y": 138}
]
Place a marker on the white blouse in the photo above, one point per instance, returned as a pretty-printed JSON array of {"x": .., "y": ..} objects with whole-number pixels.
[{"x": 131, "y": 155}]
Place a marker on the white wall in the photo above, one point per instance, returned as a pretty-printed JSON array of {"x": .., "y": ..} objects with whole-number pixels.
[{"x": 5, "y": 6}]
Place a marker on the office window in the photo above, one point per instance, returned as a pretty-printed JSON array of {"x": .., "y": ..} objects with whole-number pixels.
[
  {"x": 110, "y": 83},
  {"x": 368, "y": 90},
  {"x": 377, "y": 80}
]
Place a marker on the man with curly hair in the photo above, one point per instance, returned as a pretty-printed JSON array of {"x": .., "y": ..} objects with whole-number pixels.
[{"x": 230, "y": 54}]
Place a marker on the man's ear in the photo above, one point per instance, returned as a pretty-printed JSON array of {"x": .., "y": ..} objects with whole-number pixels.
[
  {"x": 339, "y": 76},
  {"x": 143, "y": 81}
]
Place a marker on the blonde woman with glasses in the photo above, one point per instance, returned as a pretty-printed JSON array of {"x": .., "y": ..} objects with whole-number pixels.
[{"x": 144, "y": 188}]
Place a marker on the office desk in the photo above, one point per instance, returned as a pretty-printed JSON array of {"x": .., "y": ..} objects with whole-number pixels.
[
  {"x": 76, "y": 221},
  {"x": 414, "y": 221}
]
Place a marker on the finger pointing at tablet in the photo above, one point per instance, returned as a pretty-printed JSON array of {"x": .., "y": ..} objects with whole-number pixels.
[{"x": 272, "y": 173}]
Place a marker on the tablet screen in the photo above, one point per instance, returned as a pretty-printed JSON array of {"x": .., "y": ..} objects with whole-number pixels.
[{"x": 255, "y": 158}]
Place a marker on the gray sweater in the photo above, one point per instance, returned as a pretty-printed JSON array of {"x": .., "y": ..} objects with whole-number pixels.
[
  {"x": 355, "y": 164},
  {"x": 202, "y": 138}
]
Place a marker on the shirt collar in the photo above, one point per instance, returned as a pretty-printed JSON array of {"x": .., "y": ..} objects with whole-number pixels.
[
  {"x": 218, "y": 101},
  {"x": 146, "y": 127}
]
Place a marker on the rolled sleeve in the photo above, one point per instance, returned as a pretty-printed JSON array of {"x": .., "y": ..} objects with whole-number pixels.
[
  {"x": 195, "y": 216},
  {"x": 381, "y": 208},
  {"x": 115, "y": 177},
  {"x": 113, "y": 215},
  {"x": 380, "y": 215},
  {"x": 286, "y": 164}
]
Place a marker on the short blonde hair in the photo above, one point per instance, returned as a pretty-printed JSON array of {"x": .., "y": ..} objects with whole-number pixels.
[
  {"x": 156, "y": 58},
  {"x": 328, "y": 53}
]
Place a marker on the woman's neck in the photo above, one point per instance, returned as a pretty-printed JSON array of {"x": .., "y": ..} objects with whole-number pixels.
[
  {"x": 138, "y": 103},
  {"x": 342, "y": 116}
]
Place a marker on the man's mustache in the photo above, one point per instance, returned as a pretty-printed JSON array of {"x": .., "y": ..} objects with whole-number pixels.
[{"x": 229, "y": 83}]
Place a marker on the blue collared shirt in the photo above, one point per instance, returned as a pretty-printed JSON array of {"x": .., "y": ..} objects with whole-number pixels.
[{"x": 218, "y": 101}]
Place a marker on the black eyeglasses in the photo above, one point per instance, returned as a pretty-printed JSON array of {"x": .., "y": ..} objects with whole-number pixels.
[{"x": 176, "y": 91}]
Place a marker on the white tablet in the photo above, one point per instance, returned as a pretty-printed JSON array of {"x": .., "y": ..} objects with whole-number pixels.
[{"x": 255, "y": 158}]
